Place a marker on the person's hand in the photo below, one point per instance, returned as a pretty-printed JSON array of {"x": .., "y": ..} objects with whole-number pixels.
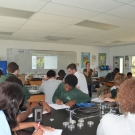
[
  {"x": 101, "y": 97},
  {"x": 59, "y": 102},
  {"x": 109, "y": 99},
  {"x": 71, "y": 103},
  {"x": 46, "y": 128},
  {"x": 38, "y": 132},
  {"x": 45, "y": 107}
]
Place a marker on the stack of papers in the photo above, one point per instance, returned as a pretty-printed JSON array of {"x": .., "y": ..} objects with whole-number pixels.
[
  {"x": 97, "y": 100},
  {"x": 55, "y": 132},
  {"x": 57, "y": 107}
]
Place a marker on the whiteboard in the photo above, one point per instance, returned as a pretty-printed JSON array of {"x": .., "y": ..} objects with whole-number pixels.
[{"x": 46, "y": 59}]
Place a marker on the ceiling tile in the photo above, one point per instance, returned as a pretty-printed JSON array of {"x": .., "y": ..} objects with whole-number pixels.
[
  {"x": 7, "y": 29},
  {"x": 7, "y": 25},
  {"x": 82, "y": 29},
  {"x": 95, "y": 5},
  {"x": 65, "y": 33},
  {"x": 27, "y": 5},
  {"x": 39, "y": 28},
  {"x": 45, "y": 24},
  {"x": 55, "y": 18},
  {"x": 125, "y": 11},
  {"x": 110, "y": 19},
  {"x": 132, "y": 3},
  {"x": 57, "y": 9},
  {"x": 124, "y": 1},
  {"x": 12, "y": 20}
]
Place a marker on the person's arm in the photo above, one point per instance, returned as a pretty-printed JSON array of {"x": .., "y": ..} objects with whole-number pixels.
[
  {"x": 41, "y": 87},
  {"x": 26, "y": 96},
  {"x": 31, "y": 124},
  {"x": 86, "y": 72},
  {"x": 93, "y": 72},
  {"x": 82, "y": 97},
  {"x": 107, "y": 78},
  {"x": 45, "y": 106},
  {"x": 56, "y": 94},
  {"x": 110, "y": 99}
]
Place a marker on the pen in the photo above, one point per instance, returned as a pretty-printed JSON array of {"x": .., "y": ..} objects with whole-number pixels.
[{"x": 38, "y": 125}]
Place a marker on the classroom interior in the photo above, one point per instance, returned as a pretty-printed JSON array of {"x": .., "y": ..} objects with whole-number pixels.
[{"x": 92, "y": 26}]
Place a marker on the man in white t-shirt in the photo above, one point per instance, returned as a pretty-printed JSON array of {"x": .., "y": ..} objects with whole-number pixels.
[{"x": 82, "y": 84}]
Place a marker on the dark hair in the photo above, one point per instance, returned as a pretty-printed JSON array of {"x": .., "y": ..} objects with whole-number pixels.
[
  {"x": 10, "y": 96},
  {"x": 12, "y": 67},
  {"x": 126, "y": 96},
  {"x": 1, "y": 73},
  {"x": 87, "y": 62},
  {"x": 14, "y": 79},
  {"x": 71, "y": 80},
  {"x": 129, "y": 73},
  {"x": 116, "y": 70},
  {"x": 72, "y": 66},
  {"x": 51, "y": 73},
  {"x": 61, "y": 73}
]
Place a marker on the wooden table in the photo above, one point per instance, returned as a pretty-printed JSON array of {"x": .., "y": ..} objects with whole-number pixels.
[
  {"x": 109, "y": 84},
  {"x": 37, "y": 97}
]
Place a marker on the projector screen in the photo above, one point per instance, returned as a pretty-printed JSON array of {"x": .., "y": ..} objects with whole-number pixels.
[{"x": 39, "y": 62}]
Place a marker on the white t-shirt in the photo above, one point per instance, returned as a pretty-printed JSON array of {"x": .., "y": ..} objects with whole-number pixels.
[
  {"x": 48, "y": 88},
  {"x": 4, "y": 126},
  {"x": 112, "y": 124},
  {"x": 81, "y": 82}
]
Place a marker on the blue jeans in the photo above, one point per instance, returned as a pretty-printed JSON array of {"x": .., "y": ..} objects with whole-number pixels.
[{"x": 90, "y": 89}]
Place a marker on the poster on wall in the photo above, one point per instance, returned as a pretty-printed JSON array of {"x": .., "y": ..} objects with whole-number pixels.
[
  {"x": 85, "y": 57},
  {"x": 102, "y": 59},
  {"x": 93, "y": 59},
  {"x": 126, "y": 63}
]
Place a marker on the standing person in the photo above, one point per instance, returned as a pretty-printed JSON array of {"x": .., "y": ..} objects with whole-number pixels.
[
  {"x": 124, "y": 124},
  {"x": 48, "y": 87},
  {"x": 88, "y": 73},
  {"x": 82, "y": 84}
]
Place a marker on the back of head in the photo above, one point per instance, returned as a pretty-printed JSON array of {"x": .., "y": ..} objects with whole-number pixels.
[
  {"x": 12, "y": 67},
  {"x": 129, "y": 75},
  {"x": 14, "y": 79},
  {"x": 72, "y": 66},
  {"x": 51, "y": 73},
  {"x": 10, "y": 97},
  {"x": 126, "y": 96},
  {"x": 71, "y": 80},
  {"x": 116, "y": 70},
  {"x": 119, "y": 79},
  {"x": 61, "y": 73}
]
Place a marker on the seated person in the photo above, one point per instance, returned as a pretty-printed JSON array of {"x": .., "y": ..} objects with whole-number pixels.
[
  {"x": 11, "y": 96},
  {"x": 49, "y": 86},
  {"x": 124, "y": 124},
  {"x": 30, "y": 106},
  {"x": 129, "y": 75},
  {"x": 68, "y": 93},
  {"x": 118, "y": 80},
  {"x": 61, "y": 75},
  {"x": 109, "y": 77}
]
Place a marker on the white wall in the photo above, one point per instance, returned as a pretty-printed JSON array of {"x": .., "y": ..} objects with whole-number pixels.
[
  {"x": 4, "y": 44},
  {"x": 121, "y": 51}
]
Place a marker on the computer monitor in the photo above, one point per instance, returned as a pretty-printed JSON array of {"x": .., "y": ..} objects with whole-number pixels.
[{"x": 96, "y": 75}]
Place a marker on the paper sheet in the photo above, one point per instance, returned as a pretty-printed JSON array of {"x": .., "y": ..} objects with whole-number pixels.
[
  {"x": 55, "y": 132},
  {"x": 97, "y": 100},
  {"x": 31, "y": 115},
  {"x": 57, "y": 107}
]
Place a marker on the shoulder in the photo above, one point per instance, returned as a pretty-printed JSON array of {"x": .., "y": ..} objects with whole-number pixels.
[{"x": 91, "y": 70}]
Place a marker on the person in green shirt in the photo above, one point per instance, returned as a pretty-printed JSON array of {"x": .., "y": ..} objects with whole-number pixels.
[
  {"x": 68, "y": 94},
  {"x": 12, "y": 71}
]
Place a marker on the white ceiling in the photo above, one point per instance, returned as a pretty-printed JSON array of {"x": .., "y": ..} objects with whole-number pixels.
[{"x": 58, "y": 18}]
